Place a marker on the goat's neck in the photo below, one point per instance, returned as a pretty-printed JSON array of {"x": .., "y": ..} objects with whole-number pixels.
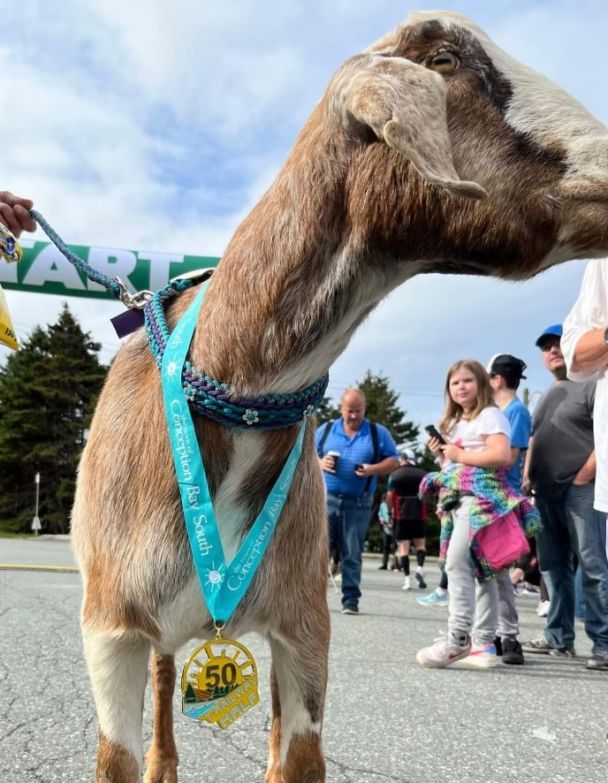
[{"x": 292, "y": 286}]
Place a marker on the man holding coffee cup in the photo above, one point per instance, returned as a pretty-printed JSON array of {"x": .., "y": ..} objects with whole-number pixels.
[
  {"x": 352, "y": 453},
  {"x": 334, "y": 456}
]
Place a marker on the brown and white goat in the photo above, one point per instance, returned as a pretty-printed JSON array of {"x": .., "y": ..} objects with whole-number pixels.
[{"x": 388, "y": 179}]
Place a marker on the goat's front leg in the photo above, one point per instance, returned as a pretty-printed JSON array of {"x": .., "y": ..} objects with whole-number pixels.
[
  {"x": 161, "y": 759},
  {"x": 273, "y": 771},
  {"x": 118, "y": 667},
  {"x": 300, "y": 668}
]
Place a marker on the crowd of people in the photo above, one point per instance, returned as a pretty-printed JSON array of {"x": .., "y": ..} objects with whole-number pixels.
[{"x": 521, "y": 499}]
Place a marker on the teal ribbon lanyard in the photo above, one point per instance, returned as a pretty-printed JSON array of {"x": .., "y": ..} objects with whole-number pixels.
[{"x": 223, "y": 584}]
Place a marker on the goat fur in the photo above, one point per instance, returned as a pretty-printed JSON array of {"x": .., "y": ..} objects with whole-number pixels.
[{"x": 399, "y": 171}]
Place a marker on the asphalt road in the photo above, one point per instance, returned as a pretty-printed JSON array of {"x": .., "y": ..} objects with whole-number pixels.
[{"x": 386, "y": 719}]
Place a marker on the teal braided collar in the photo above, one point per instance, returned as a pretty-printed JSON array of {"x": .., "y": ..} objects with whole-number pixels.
[{"x": 215, "y": 400}]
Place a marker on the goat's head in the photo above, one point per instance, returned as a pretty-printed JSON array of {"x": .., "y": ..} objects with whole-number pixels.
[{"x": 512, "y": 173}]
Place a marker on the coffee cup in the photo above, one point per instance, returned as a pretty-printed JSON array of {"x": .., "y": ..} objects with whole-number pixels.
[{"x": 335, "y": 455}]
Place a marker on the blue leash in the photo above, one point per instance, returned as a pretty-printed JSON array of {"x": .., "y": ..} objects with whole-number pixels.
[{"x": 114, "y": 284}]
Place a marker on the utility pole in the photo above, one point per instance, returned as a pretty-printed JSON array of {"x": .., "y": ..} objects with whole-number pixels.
[{"x": 36, "y": 526}]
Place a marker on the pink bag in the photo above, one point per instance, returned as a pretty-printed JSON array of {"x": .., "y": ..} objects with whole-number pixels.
[{"x": 503, "y": 542}]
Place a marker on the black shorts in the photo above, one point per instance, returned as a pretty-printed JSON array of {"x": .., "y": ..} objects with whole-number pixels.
[{"x": 408, "y": 529}]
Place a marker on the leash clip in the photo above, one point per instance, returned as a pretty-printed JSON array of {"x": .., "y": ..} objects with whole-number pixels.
[{"x": 136, "y": 301}]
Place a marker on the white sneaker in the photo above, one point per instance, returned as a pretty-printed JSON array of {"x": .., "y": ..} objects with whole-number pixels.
[
  {"x": 542, "y": 610},
  {"x": 444, "y": 652},
  {"x": 436, "y": 598},
  {"x": 530, "y": 591},
  {"x": 481, "y": 657},
  {"x": 407, "y": 585}
]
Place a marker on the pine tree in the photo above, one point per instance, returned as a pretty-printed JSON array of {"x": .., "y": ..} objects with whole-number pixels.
[
  {"x": 326, "y": 411},
  {"x": 48, "y": 390},
  {"x": 382, "y": 407}
]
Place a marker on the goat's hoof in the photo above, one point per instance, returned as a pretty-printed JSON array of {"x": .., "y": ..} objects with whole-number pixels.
[
  {"x": 314, "y": 776},
  {"x": 161, "y": 772}
]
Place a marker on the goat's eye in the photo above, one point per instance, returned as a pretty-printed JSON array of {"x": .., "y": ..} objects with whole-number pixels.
[{"x": 444, "y": 62}]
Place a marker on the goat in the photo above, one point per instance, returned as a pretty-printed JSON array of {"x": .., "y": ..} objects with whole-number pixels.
[{"x": 433, "y": 151}]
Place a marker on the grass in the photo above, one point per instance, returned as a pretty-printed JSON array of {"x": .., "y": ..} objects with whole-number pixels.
[{"x": 12, "y": 534}]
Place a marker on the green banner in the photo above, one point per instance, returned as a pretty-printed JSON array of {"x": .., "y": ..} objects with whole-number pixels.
[{"x": 44, "y": 270}]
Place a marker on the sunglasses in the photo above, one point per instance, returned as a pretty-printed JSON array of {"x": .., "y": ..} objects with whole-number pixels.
[{"x": 549, "y": 344}]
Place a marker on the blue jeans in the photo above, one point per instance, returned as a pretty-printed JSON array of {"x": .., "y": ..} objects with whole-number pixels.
[
  {"x": 579, "y": 600},
  {"x": 348, "y": 519},
  {"x": 572, "y": 527}
]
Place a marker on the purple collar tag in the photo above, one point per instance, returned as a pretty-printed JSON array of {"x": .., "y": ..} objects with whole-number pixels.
[{"x": 128, "y": 322}]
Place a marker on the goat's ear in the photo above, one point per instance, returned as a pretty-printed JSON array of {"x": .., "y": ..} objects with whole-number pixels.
[{"x": 405, "y": 105}]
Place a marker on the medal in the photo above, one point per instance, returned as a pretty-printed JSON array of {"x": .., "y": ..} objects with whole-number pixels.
[
  {"x": 10, "y": 249},
  {"x": 219, "y": 682}
]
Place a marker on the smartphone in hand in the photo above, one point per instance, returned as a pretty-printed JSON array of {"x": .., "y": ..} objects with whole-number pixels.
[{"x": 434, "y": 433}]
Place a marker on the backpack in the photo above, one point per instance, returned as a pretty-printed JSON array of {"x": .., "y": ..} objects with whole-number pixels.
[{"x": 375, "y": 444}]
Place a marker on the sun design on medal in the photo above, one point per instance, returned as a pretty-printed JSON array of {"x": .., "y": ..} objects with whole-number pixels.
[
  {"x": 215, "y": 577},
  {"x": 171, "y": 369},
  {"x": 215, "y": 669}
]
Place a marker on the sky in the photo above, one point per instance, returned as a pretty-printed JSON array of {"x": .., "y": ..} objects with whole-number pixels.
[{"x": 157, "y": 126}]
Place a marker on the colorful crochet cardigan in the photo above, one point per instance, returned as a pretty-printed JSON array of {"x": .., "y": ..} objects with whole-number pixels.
[{"x": 493, "y": 498}]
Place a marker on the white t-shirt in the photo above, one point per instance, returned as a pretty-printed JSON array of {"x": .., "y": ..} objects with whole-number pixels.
[
  {"x": 471, "y": 435},
  {"x": 590, "y": 312}
]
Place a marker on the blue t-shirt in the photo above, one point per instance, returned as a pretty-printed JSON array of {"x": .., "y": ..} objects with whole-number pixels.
[
  {"x": 521, "y": 426},
  {"x": 353, "y": 451}
]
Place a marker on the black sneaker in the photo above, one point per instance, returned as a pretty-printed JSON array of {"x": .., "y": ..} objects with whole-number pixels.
[
  {"x": 350, "y": 609},
  {"x": 498, "y": 645},
  {"x": 382, "y": 568},
  {"x": 420, "y": 580},
  {"x": 512, "y": 652}
]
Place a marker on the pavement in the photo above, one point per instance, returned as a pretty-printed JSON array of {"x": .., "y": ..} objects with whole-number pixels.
[
  {"x": 38, "y": 553},
  {"x": 386, "y": 719}
]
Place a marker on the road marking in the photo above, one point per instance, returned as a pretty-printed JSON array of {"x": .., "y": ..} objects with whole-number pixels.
[{"x": 32, "y": 567}]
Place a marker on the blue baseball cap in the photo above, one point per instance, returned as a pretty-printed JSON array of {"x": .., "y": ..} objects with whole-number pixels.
[{"x": 551, "y": 331}]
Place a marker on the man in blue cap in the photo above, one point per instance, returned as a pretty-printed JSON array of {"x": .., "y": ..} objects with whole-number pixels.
[{"x": 561, "y": 471}]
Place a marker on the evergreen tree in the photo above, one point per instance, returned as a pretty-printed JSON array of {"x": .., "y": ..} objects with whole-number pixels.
[
  {"x": 382, "y": 407},
  {"x": 326, "y": 411},
  {"x": 48, "y": 390},
  {"x": 426, "y": 460}
]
